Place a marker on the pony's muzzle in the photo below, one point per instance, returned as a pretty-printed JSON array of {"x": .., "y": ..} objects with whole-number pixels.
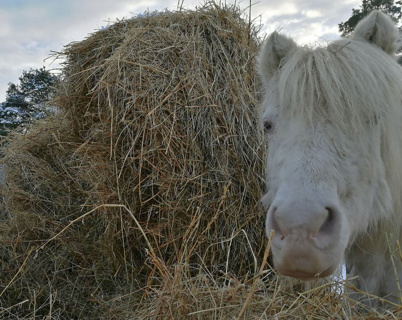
[{"x": 306, "y": 236}]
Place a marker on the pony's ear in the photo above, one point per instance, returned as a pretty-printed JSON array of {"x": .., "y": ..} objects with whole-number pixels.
[
  {"x": 378, "y": 28},
  {"x": 273, "y": 51}
]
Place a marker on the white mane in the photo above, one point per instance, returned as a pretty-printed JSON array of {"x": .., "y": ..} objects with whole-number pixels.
[{"x": 347, "y": 82}]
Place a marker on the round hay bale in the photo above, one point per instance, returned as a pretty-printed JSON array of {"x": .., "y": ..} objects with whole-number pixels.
[{"x": 154, "y": 161}]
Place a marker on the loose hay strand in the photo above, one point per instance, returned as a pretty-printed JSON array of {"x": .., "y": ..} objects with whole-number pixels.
[
  {"x": 68, "y": 226},
  {"x": 21, "y": 268},
  {"x": 391, "y": 256},
  {"x": 264, "y": 262}
]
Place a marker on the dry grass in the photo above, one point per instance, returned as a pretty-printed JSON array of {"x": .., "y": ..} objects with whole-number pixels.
[{"x": 139, "y": 199}]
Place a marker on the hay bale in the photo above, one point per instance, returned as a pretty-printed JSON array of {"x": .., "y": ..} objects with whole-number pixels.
[{"x": 154, "y": 161}]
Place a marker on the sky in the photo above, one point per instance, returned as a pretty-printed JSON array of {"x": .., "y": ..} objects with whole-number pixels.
[{"x": 32, "y": 29}]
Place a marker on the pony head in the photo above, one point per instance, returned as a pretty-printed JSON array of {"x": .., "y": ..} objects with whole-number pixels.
[{"x": 332, "y": 118}]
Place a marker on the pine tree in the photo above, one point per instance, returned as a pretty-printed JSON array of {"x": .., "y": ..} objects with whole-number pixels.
[
  {"x": 37, "y": 85},
  {"x": 25, "y": 101},
  {"x": 387, "y": 6},
  {"x": 15, "y": 98}
]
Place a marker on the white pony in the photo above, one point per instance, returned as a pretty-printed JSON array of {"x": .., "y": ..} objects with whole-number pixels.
[{"x": 333, "y": 118}]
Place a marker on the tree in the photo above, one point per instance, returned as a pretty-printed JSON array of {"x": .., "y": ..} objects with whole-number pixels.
[
  {"x": 15, "y": 98},
  {"x": 387, "y": 6},
  {"x": 36, "y": 87},
  {"x": 26, "y": 100}
]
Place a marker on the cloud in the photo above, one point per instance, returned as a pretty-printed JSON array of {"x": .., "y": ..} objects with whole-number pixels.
[
  {"x": 32, "y": 29},
  {"x": 308, "y": 22}
]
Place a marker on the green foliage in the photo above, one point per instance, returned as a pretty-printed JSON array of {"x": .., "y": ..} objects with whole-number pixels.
[
  {"x": 36, "y": 86},
  {"x": 26, "y": 100},
  {"x": 14, "y": 97},
  {"x": 391, "y": 8}
]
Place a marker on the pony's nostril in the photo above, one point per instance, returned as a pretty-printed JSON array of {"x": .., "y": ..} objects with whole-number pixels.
[
  {"x": 278, "y": 229},
  {"x": 329, "y": 224}
]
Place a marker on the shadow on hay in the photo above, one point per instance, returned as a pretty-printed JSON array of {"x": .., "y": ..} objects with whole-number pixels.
[{"x": 154, "y": 161}]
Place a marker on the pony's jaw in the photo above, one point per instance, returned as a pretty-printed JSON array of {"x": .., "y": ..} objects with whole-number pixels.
[{"x": 303, "y": 275}]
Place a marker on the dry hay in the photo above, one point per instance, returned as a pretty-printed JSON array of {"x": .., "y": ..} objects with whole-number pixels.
[
  {"x": 139, "y": 199},
  {"x": 154, "y": 160}
]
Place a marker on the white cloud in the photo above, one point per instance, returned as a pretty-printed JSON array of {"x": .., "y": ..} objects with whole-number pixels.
[
  {"x": 313, "y": 20},
  {"x": 312, "y": 13},
  {"x": 31, "y": 29},
  {"x": 281, "y": 8}
]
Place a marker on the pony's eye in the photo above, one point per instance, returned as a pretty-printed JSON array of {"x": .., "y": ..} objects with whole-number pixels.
[{"x": 268, "y": 126}]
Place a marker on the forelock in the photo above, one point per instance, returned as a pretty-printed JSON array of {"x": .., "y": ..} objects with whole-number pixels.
[{"x": 348, "y": 83}]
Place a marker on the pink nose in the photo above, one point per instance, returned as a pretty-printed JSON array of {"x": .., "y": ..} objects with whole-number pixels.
[
  {"x": 305, "y": 234},
  {"x": 318, "y": 222}
]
